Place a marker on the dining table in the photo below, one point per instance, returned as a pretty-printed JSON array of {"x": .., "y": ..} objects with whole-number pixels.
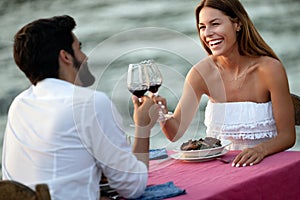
[{"x": 275, "y": 177}]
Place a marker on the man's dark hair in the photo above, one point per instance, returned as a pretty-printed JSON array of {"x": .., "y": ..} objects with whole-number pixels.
[{"x": 37, "y": 46}]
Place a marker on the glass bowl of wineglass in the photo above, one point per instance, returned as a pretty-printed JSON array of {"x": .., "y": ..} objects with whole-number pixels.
[{"x": 137, "y": 80}]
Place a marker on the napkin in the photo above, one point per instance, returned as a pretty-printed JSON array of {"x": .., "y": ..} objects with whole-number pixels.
[
  {"x": 156, "y": 154},
  {"x": 161, "y": 191}
]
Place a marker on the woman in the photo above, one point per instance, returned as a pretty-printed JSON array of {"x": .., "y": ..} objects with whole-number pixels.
[{"x": 249, "y": 99}]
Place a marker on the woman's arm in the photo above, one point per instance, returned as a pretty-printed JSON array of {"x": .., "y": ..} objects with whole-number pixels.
[
  {"x": 283, "y": 110},
  {"x": 276, "y": 82},
  {"x": 188, "y": 104}
]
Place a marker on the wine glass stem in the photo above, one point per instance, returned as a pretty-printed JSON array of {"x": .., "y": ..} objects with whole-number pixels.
[{"x": 160, "y": 112}]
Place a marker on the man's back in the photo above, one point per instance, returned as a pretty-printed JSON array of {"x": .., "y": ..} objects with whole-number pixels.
[{"x": 49, "y": 133}]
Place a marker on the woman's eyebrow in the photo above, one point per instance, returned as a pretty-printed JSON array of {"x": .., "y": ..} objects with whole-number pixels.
[{"x": 211, "y": 21}]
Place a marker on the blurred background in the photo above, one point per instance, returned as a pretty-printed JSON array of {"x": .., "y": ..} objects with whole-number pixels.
[{"x": 115, "y": 33}]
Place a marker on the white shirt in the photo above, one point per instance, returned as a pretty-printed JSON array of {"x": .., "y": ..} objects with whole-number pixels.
[{"x": 66, "y": 136}]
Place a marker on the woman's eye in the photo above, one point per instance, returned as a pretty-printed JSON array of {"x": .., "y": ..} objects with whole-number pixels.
[
  {"x": 201, "y": 27},
  {"x": 216, "y": 24}
]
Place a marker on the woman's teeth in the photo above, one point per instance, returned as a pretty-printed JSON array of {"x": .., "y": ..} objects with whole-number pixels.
[{"x": 214, "y": 42}]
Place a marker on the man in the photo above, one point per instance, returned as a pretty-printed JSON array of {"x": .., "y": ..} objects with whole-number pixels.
[{"x": 63, "y": 134}]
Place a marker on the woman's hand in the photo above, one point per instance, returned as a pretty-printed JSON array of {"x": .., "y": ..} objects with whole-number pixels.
[
  {"x": 162, "y": 102},
  {"x": 249, "y": 157}
]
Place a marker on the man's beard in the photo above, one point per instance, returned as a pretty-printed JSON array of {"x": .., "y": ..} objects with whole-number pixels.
[{"x": 84, "y": 74}]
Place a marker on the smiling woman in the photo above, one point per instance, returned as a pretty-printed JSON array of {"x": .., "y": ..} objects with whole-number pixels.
[
  {"x": 211, "y": 21},
  {"x": 259, "y": 123},
  {"x": 237, "y": 20}
]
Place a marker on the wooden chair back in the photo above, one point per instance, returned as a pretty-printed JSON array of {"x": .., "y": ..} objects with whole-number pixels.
[
  {"x": 296, "y": 102},
  {"x": 12, "y": 190}
]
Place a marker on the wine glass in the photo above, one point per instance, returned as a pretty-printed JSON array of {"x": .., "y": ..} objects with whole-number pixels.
[
  {"x": 155, "y": 81},
  {"x": 155, "y": 76},
  {"x": 137, "y": 80}
]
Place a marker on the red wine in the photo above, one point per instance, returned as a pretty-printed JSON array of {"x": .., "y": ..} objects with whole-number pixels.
[
  {"x": 154, "y": 88},
  {"x": 138, "y": 92}
]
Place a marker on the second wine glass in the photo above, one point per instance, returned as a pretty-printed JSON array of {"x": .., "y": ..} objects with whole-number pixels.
[
  {"x": 155, "y": 76},
  {"x": 155, "y": 81}
]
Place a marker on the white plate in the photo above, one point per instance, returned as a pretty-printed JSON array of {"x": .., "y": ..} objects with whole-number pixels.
[
  {"x": 178, "y": 156},
  {"x": 204, "y": 152}
]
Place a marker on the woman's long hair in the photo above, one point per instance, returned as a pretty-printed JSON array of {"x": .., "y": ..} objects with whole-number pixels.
[{"x": 250, "y": 43}]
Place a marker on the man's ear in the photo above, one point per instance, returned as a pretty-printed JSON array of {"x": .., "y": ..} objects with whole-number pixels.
[{"x": 65, "y": 57}]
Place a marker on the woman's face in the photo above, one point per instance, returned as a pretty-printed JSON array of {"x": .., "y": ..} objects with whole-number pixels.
[{"x": 218, "y": 32}]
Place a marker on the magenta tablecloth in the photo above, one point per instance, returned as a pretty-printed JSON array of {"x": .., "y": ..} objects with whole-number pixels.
[{"x": 276, "y": 177}]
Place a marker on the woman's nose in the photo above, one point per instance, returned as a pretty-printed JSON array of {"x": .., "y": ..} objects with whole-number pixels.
[{"x": 208, "y": 32}]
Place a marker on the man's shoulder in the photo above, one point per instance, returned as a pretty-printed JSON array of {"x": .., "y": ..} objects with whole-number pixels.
[{"x": 82, "y": 93}]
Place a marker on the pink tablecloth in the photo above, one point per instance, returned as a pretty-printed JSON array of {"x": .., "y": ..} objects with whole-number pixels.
[{"x": 276, "y": 177}]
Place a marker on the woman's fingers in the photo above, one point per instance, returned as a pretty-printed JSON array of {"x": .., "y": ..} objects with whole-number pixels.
[
  {"x": 248, "y": 157},
  {"x": 162, "y": 102}
]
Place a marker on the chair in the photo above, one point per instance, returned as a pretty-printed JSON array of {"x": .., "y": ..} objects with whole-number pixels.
[
  {"x": 12, "y": 190},
  {"x": 296, "y": 102}
]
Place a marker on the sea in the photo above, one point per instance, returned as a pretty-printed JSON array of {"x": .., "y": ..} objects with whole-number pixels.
[{"x": 115, "y": 33}]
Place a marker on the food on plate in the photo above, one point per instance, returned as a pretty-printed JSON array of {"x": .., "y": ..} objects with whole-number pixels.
[{"x": 206, "y": 143}]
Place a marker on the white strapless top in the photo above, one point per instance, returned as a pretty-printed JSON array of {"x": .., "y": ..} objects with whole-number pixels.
[{"x": 240, "y": 120}]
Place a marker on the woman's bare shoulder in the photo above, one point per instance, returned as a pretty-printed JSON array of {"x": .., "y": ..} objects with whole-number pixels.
[
  {"x": 204, "y": 66},
  {"x": 269, "y": 62},
  {"x": 267, "y": 66},
  {"x": 205, "y": 62},
  {"x": 272, "y": 71}
]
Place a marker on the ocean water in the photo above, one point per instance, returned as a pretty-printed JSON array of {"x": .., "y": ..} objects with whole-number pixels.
[{"x": 115, "y": 33}]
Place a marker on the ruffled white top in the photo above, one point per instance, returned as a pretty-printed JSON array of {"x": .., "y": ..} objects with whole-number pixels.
[{"x": 244, "y": 123}]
